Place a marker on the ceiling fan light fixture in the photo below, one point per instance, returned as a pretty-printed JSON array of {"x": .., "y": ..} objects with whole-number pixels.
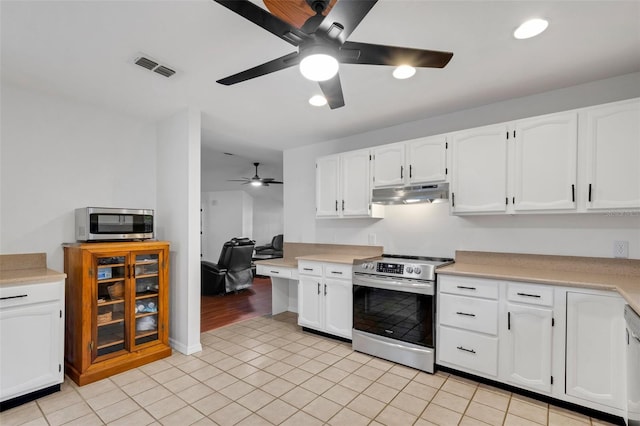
[
  {"x": 404, "y": 71},
  {"x": 318, "y": 64},
  {"x": 256, "y": 183},
  {"x": 318, "y": 100},
  {"x": 530, "y": 28}
]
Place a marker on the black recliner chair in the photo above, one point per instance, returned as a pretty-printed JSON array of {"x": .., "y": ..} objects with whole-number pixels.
[
  {"x": 274, "y": 249},
  {"x": 233, "y": 272}
]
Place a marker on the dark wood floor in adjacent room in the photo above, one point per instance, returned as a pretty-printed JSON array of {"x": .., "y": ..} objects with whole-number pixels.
[{"x": 218, "y": 311}]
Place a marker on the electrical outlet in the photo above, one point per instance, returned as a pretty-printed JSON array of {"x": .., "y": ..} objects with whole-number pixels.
[{"x": 621, "y": 249}]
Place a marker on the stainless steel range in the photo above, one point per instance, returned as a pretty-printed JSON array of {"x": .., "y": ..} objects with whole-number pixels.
[{"x": 394, "y": 308}]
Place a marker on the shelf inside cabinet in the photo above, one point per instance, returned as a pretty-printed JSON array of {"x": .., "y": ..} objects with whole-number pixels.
[
  {"x": 117, "y": 318},
  {"x": 146, "y": 295}
]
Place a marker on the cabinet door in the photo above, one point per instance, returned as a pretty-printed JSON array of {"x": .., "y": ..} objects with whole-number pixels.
[
  {"x": 30, "y": 354},
  {"x": 526, "y": 347},
  {"x": 427, "y": 160},
  {"x": 479, "y": 176},
  {"x": 149, "y": 297},
  {"x": 388, "y": 166},
  {"x": 545, "y": 163},
  {"x": 111, "y": 304},
  {"x": 327, "y": 186},
  {"x": 613, "y": 156},
  {"x": 338, "y": 307},
  {"x": 354, "y": 181},
  {"x": 595, "y": 348},
  {"x": 309, "y": 299}
]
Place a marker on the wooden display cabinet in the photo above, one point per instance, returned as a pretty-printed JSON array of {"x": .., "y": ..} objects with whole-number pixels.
[{"x": 117, "y": 303}]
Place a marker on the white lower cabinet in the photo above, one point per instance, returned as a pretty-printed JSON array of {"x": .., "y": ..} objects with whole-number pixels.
[
  {"x": 564, "y": 342},
  {"x": 31, "y": 338},
  {"x": 596, "y": 342},
  {"x": 325, "y": 298},
  {"x": 526, "y": 347}
]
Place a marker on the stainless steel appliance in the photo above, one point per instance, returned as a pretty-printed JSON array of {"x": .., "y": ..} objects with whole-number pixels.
[
  {"x": 394, "y": 308},
  {"x": 105, "y": 224},
  {"x": 438, "y": 193},
  {"x": 633, "y": 366}
]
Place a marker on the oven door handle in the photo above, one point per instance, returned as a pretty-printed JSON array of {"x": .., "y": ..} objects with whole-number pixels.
[{"x": 422, "y": 288}]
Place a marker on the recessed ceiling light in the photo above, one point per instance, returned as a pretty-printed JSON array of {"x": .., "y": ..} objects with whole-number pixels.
[
  {"x": 530, "y": 28},
  {"x": 318, "y": 100},
  {"x": 404, "y": 71}
]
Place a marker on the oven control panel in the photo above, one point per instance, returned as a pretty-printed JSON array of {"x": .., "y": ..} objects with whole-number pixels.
[{"x": 390, "y": 268}]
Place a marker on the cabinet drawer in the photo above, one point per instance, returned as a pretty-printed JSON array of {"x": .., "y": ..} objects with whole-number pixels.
[
  {"x": 470, "y": 351},
  {"x": 531, "y": 294},
  {"x": 310, "y": 268},
  {"x": 274, "y": 271},
  {"x": 334, "y": 270},
  {"x": 465, "y": 286},
  {"x": 469, "y": 313},
  {"x": 24, "y": 294}
]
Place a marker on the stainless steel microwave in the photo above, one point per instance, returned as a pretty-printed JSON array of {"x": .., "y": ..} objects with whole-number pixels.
[{"x": 108, "y": 224}]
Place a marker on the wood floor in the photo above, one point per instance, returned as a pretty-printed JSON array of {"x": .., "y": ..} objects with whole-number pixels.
[{"x": 218, "y": 311}]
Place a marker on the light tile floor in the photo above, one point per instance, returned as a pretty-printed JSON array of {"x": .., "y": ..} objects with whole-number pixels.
[{"x": 266, "y": 371}]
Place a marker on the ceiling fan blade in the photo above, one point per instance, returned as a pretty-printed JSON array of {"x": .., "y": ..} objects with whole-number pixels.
[
  {"x": 264, "y": 19},
  {"x": 332, "y": 90},
  {"x": 344, "y": 17},
  {"x": 238, "y": 180},
  {"x": 377, "y": 54},
  {"x": 278, "y": 64}
]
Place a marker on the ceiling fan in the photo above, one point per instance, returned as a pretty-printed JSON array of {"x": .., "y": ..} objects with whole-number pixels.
[
  {"x": 257, "y": 180},
  {"x": 323, "y": 37}
]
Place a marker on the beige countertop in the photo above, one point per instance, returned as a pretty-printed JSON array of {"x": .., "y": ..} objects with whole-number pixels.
[
  {"x": 621, "y": 275},
  {"x": 332, "y": 253},
  {"x": 26, "y": 268}
]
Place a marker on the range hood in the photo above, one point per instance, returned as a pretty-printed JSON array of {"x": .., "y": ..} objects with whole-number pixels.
[{"x": 438, "y": 193}]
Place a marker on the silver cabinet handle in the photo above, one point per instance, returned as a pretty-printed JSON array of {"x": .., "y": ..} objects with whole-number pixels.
[
  {"x": 466, "y": 350},
  {"x": 336, "y": 272},
  {"x": 307, "y": 269},
  {"x": 466, "y": 314}
]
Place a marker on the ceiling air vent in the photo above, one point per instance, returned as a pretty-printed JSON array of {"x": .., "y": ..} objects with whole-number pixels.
[
  {"x": 154, "y": 66},
  {"x": 162, "y": 70}
]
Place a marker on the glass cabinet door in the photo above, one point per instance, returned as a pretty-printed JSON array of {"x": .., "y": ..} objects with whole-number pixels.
[
  {"x": 110, "y": 331},
  {"x": 146, "y": 299}
]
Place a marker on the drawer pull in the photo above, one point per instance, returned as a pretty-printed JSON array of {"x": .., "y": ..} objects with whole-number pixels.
[
  {"x": 13, "y": 297},
  {"x": 466, "y": 350},
  {"x": 529, "y": 295},
  {"x": 275, "y": 272},
  {"x": 307, "y": 269},
  {"x": 336, "y": 272},
  {"x": 466, "y": 288},
  {"x": 466, "y": 314}
]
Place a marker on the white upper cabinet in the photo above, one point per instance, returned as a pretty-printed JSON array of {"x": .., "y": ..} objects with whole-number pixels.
[
  {"x": 613, "y": 156},
  {"x": 422, "y": 160},
  {"x": 389, "y": 167},
  {"x": 427, "y": 159},
  {"x": 524, "y": 166},
  {"x": 343, "y": 186},
  {"x": 544, "y": 169},
  {"x": 354, "y": 183},
  {"x": 327, "y": 175},
  {"x": 479, "y": 176}
]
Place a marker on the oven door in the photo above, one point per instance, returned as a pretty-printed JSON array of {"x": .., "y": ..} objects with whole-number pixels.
[{"x": 398, "y": 309}]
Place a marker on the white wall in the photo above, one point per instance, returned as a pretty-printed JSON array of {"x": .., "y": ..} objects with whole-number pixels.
[
  {"x": 58, "y": 155},
  {"x": 267, "y": 220},
  {"x": 429, "y": 229},
  {"x": 178, "y": 177},
  {"x": 225, "y": 215}
]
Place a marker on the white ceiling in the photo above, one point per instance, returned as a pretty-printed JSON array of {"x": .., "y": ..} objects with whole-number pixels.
[{"x": 84, "y": 50}]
